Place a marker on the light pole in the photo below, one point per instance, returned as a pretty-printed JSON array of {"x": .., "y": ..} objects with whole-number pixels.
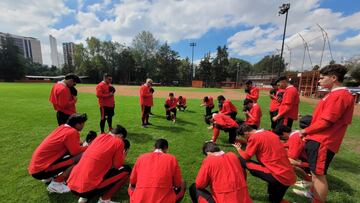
[
  {"x": 193, "y": 44},
  {"x": 237, "y": 74},
  {"x": 283, "y": 9}
]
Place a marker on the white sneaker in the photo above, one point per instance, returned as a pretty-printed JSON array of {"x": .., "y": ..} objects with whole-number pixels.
[
  {"x": 82, "y": 200},
  {"x": 106, "y": 201},
  {"x": 58, "y": 187},
  {"x": 303, "y": 184},
  {"x": 303, "y": 193},
  {"x": 47, "y": 181}
]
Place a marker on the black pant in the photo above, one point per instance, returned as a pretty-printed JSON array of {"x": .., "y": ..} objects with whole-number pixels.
[
  {"x": 232, "y": 134},
  {"x": 276, "y": 190},
  {"x": 168, "y": 114},
  {"x": 285, "y": 121},
  {"x": 61, "y": 117},
  {"x": 208, "y": 110},
  {"x": 106, "y": 113},
  {"x": 272, "y": 115},
  {"x": 233, "y": 115},
  {"x": 195, "y": 193}
]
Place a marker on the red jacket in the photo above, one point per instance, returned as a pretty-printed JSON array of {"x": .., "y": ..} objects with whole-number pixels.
[
  {"x": 182, "y": 101},
  {"x": 289, "y": 107},
  {"x": 103, "y": 94},
  {"x": 146, "y": 97},
  {"x": 228, "y": 107},
  {"x": 105, "y": 152},
  {"x": 62, "y": 99},
  {"x": 225, "y": 176},
  {"x": 256, "y": 114},
  {"x": 64, "y": 139},
  {"x": 274, "y": 102},
  {"x": 210, "y": 102},
  {"x": 254, "y": 94},
  {"x": 224, "y": 121},
  {"x": 154, "y": 176},
  {"x": 171, "y": 103}
]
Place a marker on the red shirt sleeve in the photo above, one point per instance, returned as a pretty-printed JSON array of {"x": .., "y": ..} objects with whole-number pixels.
[
  {"x": 177, "y": 175},
  {"x": 101, "y": 90},
  {"x": 295, "y": 147},
  {"x": 254, "y": 94},
  {"x": 226, "y": 109},
  {"x": 250, "y": 150},
  {"x": 144, "y": 91},
  {"x": 63, "y": 100},
  {"x": 285, "y": 103},
  {"x": 134, "y": 172},
  {"x": 118, "y": 158},
  {"x": 72, "y": 144},
  {"x": 318, "y": 126},
  {"x": 203, "y": 178}
]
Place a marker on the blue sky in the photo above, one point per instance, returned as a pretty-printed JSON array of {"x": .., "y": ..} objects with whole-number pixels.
[{"x": 250, "y": 29}]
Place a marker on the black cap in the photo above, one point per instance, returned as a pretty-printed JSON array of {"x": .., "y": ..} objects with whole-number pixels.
[
  {"x": 248, "y": 82},
  {"x": 305, "y": 121},
  {"x": 73, "y": 77}
]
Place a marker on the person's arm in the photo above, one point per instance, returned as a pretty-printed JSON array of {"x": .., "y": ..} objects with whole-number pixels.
[
  {"x": 225, "y": 109},
  {"x": 202, "y": 178},
  {"x": 249, "y": 151},
  {"x": 65, "y": 99},
  {"x": 134, "y": 172},
  {"x": 118, "y": 159},
  {"x": 177, "y": 176},
  {"x": 101, "y": 92},
  {"x": 72, "y": 144},
  {"x": 144, "y": 92},
  {"x": 316, "y": 127},
  {"x": 254, "y": 94}
]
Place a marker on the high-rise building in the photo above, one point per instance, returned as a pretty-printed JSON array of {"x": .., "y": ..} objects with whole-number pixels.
[
  {"x": 69, "y": 50},
  {"x": 28, "y": 46},
  {"x": 54, "y": 52}
]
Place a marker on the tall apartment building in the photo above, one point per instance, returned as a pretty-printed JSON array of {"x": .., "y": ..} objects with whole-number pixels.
[
  {"x": 54, "y": 52},
  {"x": 28, "y": 46},
  {"x": 69, "y": 51}
]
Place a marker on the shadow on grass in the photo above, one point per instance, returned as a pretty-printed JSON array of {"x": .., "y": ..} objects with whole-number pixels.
[
  {"x": 188, "y": 111},
  {"x": 338, "y": 185},
  {"x": 173, "y": 128},
  {"x": 345, "y": 165},
  {"x": 139, "y": 137}
]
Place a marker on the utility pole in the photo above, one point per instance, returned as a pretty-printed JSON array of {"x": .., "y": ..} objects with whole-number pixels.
[
  {"x": 193, "y": 44},
  {"x": 237, "y": 74},
  {"x": 284, "y": 9}
]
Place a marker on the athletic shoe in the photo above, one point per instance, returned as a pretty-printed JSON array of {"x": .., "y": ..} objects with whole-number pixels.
[
  {"x": 47, "y": 181},
  {"x": 303, "y": 184},
  {"x": 210, "y": 127},
  {"x": 82, "y": 200},
  {"x": 58, "y": 187},
  {"x": 303, "y": 193},
  {"x": 148, "y": 123},
  {"x": 143, "y": 126},
  {"x": 174, "y": 120},
  {"x": 106, "y": 201}
]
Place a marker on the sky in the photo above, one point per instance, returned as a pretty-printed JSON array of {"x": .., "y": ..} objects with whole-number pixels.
[{"x": 251, "y": 29}]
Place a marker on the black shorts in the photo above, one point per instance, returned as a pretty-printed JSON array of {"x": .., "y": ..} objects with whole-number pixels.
[
  {"x": 106, "y": 111},
  {"x": 319, "y": 157},
  {"x": 145, "y": 109},
  {"x": 62, "y": 117}
]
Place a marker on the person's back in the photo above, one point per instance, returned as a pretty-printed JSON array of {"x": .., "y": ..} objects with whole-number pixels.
[
  {"x": 223, "y": 172},
  {"x": 155, "y": 174}
]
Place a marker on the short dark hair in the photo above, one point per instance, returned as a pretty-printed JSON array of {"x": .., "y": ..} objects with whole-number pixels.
[
  {"x": 72, "y": 76},
  {"x": 210, "y": 147},
  {"x": 273, "y": 83},
  {"x": 305, "y": 121},
  {"x": 248, "y": 82},
  {"x": 90, "y": 136},
  {"x": 76, "y": 118},
  {"x": 281, "y": 79},
  {"x": 243, "y": 129},
  {"x": 171, "y": 94},
  {"x": 206, "y": 99},
  {"x": 220, "y": 97},
  {"x": 106, "y": 75},
  {"x": 248, "y": 101},
  {"x": 126, "y": 145},
  {"x": 281, "y": 129},
  {"x": 119, "y": 130},
  {"x": 335, "y": 69},
  {"x": 180, "y": 97},
  {"x": 161, "y": 144}
]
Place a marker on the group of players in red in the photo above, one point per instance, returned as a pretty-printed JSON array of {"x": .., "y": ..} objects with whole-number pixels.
[{"x": 96, "y": 167}]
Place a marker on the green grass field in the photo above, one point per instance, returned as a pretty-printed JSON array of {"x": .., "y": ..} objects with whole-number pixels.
[{"x": 26, "y": 118}]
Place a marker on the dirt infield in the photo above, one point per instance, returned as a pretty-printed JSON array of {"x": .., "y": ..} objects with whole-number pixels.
[{"x": 228, "y": 93}]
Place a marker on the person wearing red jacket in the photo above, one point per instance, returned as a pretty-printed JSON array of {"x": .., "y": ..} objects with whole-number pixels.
[
  {"x": 289, "y": 106},
  {"x": 222, "y": 122},
  {"x": 170, "y": 107},
  {"x": 275, "y": 95},
  {"x": 273, "y": 167},
  {"x": 252, "y": 113},
  {"x": 251, "y": 91},
  {"x": 208, "y": 102},
  {"x": 226, "y": 107},
  {"x": 224, "y": 174},
  {"x": 105, "y": 94},
  {"x": 58, "y": 153},
  {"x": 63, "y": 96},
  {"x": 100, "y": 170},
  {"x": 146, "y": 101},
  {"x": 181, "y": 104},
  {"x": 156, "y": 177},
  {"x": 331, "y": 118}
]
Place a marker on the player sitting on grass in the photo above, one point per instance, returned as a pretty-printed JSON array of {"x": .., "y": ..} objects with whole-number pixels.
[
  {"x": 252, "y": 113},
  {"x": 222, "y": 122},
  {"x": 224, "y": 174},
  {"x": 226, "y": 107},
  {"x": 54, "y": 158},
  {"x": 208, "y": 102},
  {"x": 101, "y": 170},
  {"x": 170, "y": 107},
  {"x": 181, "y": 104}
]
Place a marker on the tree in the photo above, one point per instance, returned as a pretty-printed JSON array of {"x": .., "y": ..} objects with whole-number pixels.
[
  {"x": 12, "y": 62},
  {"x": 167, "y": 64},
  {"x": 185, "y": 72},
  {"x": 220, "y": 64},
  {"x": 355, "y": 72},
  {"x": 205, "y": 71},
  {"x": 269, "y": 65},
  {"x": 238, "y": 69}
]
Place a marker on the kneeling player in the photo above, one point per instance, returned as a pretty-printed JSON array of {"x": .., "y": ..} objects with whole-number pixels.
[
  {"x": 214, "y": 168},
  {"x": 252, "y": 113},
  {"x": 58, "y": 153},
  {"x": 101, "y": 170},
  {"x": 170, "y": 107},
  {"x": 222, "y": 122},
  {"x": 208, "y": 102},
  {"x": 181, "y": 104}
]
